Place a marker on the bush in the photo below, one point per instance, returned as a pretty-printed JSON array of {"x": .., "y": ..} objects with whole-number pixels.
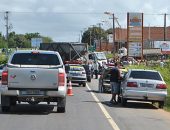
[{"x": 3, "y": 59}]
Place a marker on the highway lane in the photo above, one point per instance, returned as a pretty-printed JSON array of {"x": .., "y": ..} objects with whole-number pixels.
[
  {"x": 136, "y": 116},
  {"x": 82, "y": 113},
  {"x": 85, "y": 113}
]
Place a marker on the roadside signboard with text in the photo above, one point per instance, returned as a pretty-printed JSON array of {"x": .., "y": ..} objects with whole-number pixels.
[
  {"x": 163, "y": 45},
  {"x": 35, "y": 42},
  {"x": 135, "y": 34}
]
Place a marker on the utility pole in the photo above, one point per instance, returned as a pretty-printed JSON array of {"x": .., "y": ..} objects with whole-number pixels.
[
  {"x": 113, "y": 31},
  {"x": 7, "y": 26},
  {"x": 100, "y": 36},
  {"x": 165, "y": 27}
]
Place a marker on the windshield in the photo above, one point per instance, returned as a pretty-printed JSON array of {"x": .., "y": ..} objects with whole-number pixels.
[
  {"x": 100, "y": 56},
  {"x": 35, "y": 59},
  {"x": 145, "y": 75}
]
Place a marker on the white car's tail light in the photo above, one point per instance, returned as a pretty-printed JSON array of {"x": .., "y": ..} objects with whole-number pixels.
[
  {"x": 132, "y": 84},
  {"x": 4, "y": 77},
  {"x": 61, "y": 79},
  {"x": 161, "y": 86}
]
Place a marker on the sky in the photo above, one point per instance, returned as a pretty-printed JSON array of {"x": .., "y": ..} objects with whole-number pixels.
[{"x": 66, "y": 20}]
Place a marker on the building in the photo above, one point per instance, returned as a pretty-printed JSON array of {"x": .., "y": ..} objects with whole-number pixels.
[{"x": 150, "y": 34}]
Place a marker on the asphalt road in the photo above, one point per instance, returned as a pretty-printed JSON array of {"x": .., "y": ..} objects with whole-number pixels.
[{"x": 86, "y": 110}]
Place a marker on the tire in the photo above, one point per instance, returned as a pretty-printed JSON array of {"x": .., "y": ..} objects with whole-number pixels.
[
  {"x": 5, "y": 103},
  {"x": 89, "y": 79},
  {"x": 84, "y": 84},
  {"x": 5, "y": 108},
  {"x": 61, "y": 109},
  {"x": 161, "y": 104},
  {"x": 61, "y": 104},
  {"x": 123, "y": 101},
  {"x": 13, "y": 101}
]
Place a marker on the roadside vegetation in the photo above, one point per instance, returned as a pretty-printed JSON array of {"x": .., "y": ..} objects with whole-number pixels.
[
  {"x": 165, "y": 72},
  {"x": 20, "y": 40}
]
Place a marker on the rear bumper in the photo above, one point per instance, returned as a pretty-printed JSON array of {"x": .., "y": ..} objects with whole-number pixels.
[
  {"x": 60, "y": 93},
  {"x": 144, "y": 95},
  {"x": 78, "y": 80}
]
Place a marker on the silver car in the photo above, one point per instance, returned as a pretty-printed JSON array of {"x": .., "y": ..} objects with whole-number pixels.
[
  {"x": 143, "y": 85},
  {"x": 76, "y": 73}
]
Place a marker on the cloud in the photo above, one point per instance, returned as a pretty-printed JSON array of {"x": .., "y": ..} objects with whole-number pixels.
[{"x": 63, "y": 20}]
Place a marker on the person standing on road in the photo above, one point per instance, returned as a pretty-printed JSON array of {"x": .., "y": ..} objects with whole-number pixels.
[
  {"x": 114, "y": 82},
  {"x": 96, "y": 69}
]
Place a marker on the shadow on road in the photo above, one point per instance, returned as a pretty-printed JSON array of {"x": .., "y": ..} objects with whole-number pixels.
[
  {"x": 27, "y": 109},
  {"x": 134, "y": 105}
]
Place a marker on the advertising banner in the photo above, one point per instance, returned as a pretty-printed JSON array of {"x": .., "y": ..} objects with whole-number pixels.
[
  {"x": 163, "y": 45},
  {"x": 135, "y": 34},
  {"x": 35, "y": 42}
]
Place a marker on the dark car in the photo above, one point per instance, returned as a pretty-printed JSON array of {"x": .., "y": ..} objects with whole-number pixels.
[
  {"x": 76, "y": 74},
  {"x": 104, "y": 80}
]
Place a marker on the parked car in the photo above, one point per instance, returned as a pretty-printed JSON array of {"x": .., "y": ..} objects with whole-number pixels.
[
  {"x": 143, "y": 85},
  {"x": 104, "y": 80},
  {"x": 34, "y": 76},
  {"x": 76, "y": 74}
]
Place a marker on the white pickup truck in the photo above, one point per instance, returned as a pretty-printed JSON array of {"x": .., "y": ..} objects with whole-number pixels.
[{"x": 34, "y": 76}]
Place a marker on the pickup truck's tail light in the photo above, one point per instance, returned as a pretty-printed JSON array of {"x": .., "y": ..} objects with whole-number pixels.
[
  {"x": 61, "y": 79},
  {"x": 132, "y": 84},
  {"x": 4, "y": 77},
  {"x": 161, "y": 86}
]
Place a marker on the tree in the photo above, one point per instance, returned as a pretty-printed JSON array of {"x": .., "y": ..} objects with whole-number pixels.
[
  {"x": 3, "y": 43},
  {"x": 93, "y": 33},
  {"x": 21, "y": 40}
]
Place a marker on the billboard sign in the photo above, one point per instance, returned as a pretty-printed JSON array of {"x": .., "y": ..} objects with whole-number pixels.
[
  {"x": 163, "y": 45},
  {"x": 135, "y": 34},
  {"x": 35, "y": 42}
]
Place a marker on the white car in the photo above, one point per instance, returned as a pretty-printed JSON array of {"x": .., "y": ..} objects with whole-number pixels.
[
  {"x": 76, "y": 73},
  {"x": 143, "y": 85}
]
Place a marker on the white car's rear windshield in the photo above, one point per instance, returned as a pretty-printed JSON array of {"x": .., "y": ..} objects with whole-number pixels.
[
  {"x": 35, "y": 59},
  {"x": 145, "y": 75}
]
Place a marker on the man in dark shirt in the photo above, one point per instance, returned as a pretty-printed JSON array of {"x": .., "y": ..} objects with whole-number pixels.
[{"x": 114, "y": 82}]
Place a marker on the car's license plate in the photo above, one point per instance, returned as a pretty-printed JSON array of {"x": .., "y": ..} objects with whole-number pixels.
[
  {"x": 146, "y": 85},
  {"x": 32, "y": 92}
]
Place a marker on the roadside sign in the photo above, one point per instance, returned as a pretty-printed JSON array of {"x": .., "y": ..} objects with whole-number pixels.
[{"x": 35, "y": 42}]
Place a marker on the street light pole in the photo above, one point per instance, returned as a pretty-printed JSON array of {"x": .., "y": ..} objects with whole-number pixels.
[{"x": 113, "y": 30}]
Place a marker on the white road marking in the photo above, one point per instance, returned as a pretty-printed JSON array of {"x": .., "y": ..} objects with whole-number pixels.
[{"x": 107, "y": 115}]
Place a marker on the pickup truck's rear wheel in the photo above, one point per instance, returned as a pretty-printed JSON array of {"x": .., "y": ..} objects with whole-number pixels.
[
  {"x": 5, "y": 103},
  {"x": 61, "y": 105},
  {"x": 5, "y": 108}
]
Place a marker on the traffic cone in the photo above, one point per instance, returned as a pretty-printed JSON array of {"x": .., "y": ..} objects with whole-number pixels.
[{"x": 70, "y": 90}]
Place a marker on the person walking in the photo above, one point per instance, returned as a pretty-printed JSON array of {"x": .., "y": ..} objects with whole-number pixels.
[
  {"x": 114, "y": 82},
  {"x": 96, "y": 69}
]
